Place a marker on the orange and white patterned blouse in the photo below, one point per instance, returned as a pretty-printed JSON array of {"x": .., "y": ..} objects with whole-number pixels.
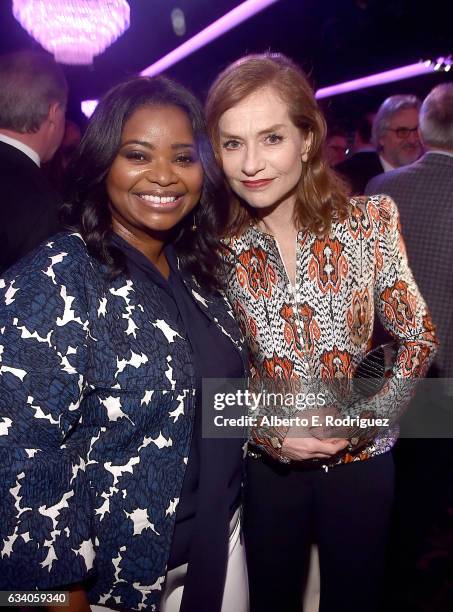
[{"x": 322, "y": 326}]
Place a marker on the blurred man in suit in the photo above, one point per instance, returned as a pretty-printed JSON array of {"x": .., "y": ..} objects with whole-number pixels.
[
  {"x": 33, "y": 96},
  {"x": 336, "y": 145},
  {"x": 364, "y": 162},
  {"x": 423, "y": 192},
  {"x": 394, "y": 138},
  {"x": 362, "y": 134}
]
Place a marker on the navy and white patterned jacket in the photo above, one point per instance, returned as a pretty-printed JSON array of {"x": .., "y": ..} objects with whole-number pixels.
[{"x": 96, "y": 411}]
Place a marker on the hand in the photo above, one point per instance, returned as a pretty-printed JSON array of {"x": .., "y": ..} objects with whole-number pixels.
[
  {"x": 300, "y": 445},
  {"x": 358, "y": 437},
  {"x": 322, "y": 431}
]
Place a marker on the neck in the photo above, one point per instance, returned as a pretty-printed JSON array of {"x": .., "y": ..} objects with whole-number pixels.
[
  {"x": 31, "y": 140},
  {"x": 279, "y": 219},
  {"x": 151, "y": 247},
  {"x": 387, "y": 161}
]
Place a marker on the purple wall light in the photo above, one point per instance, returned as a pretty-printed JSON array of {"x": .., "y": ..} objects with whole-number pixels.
[
  {"x": 229, "y": 21},
  {"x": 397, "y": 74}
]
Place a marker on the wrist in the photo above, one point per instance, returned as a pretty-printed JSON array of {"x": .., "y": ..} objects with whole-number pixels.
[{"x": 277, "y": 445}]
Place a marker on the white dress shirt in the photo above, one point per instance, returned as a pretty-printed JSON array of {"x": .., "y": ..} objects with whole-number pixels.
[
  {"x": 387, "y": 167},
  {"x": 29, "y": 152}
]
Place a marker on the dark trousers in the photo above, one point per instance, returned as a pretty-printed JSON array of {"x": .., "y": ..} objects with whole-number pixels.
[{"x": 346, "y": 511}]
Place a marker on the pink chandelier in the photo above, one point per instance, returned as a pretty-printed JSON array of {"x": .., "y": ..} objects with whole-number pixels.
[{"x": 73, "y": 30}]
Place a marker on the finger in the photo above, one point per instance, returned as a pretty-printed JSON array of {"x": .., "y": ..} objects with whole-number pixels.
[
  {"x": 304, "y": 456},
  {"x": 338, "y": 446},
  {"x": 327, "y": 446}
]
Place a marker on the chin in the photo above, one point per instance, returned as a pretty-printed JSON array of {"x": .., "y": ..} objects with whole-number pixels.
[
  {"x": 259, "y": 205},
  {"x": 164, "y": 228},
  {"x": 267, "y": 202},
  {"x": 259, "y": 199},
  {"x": 410, "y": 157}
]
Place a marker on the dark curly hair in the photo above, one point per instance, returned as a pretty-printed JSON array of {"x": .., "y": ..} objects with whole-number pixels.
[{"x": 86, "y": 207}]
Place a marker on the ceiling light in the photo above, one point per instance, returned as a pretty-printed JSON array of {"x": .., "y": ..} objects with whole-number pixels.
[
  {"x": 74, "y": 31},
  {"x": 229, "y": 21},
  {"x": 178, "y": 21},
  {"x": 217, "y": 28}
]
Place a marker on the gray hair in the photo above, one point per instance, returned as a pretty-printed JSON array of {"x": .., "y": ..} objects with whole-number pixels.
[
  {"x": 390, "y": 107},
  {"x": 436, "y": 117},
  {"x": 29, "y": 83}
]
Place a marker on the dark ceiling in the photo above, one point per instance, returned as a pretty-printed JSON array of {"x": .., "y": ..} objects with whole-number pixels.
[{"x": 334, "y": 40}]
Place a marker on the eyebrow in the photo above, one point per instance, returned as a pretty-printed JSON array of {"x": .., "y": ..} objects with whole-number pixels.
[
  {"x": 272, "y": 128},
  {"x": 148, "y": 145}
]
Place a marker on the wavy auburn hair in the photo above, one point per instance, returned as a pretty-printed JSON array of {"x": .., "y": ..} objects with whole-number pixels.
[{"x": 321, "y": 194}]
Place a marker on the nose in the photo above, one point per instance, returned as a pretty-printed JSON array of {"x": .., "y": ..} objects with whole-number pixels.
[
  {"x": 413, "y": 137},
  {"x": 253, "y": 161},
  {"x": 162, "y": 173}
]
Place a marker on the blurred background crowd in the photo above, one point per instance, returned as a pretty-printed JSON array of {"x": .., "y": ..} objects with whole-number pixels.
[{"x": 373, "y": 131}]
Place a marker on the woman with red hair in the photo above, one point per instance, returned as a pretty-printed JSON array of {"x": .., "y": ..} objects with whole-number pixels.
[{"x": 308, "y": 269}]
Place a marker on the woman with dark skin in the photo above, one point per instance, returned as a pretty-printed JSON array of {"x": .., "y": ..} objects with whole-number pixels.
[{"x": 108, "y": 329}]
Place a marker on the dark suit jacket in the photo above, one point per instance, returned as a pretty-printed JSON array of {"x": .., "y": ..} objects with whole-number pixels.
[
  {"x": 423, "y": 192},
  {"x": 28, "y": 206},
  {"x": 359, "y": 169}
]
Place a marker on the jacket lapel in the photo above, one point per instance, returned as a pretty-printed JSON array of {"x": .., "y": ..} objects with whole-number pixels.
[{"x": 217, "y": 308}]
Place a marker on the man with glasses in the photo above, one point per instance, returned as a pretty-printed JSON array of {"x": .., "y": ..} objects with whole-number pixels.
[
  {"x": 395, "y": 140},
  {"x": 395, "y": 132}
]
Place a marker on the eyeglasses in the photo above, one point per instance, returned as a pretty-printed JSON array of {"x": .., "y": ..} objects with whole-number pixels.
[{"x": 403, "y": 132}]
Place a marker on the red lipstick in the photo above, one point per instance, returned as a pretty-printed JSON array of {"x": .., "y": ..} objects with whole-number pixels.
[{"x": 257, "y": 184}]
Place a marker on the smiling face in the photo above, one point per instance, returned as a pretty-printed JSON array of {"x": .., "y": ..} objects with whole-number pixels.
[
  {"x": 156, "y": 177},
  {"x": 401, "y": 150},
  {"x": 262, "y": 150}
]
